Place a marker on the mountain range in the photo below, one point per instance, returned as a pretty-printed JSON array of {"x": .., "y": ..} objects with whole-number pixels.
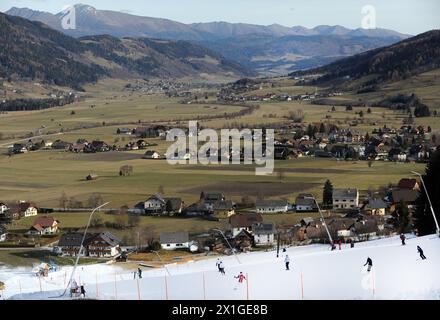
[
  {"x": 33, "y": 50},
  {"x": 270, "y": 50},
  {"x": 365, "y": 71}
]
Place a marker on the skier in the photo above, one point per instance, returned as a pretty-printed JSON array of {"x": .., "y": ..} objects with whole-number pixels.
[
  {"x": 83, "y": 291},
  {"x": 217, "y": 264},
  {"x": 420, "y": 251},
  {"x": 370, "y": 264},
  {"x": 351, "y": 243},
  {"x": 402, "y": 237},
  {"x": 73, "y": 289},
  {"x": 287, "y": 261},
  {"x": 221, "y": 267},
  {"x": 140, "y": 273},
  {"x": 134, "y": 274},
  {"x": 340, "y": 244},
  {"x": 240, "y": 277}
]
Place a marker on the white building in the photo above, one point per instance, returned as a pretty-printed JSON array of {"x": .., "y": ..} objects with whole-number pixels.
[
  {"x": 264, "y": 233},
  {"x": 271, "y": 206},
  {"x": 345, "y": 198},
  {"x": 174, "y": 240}
]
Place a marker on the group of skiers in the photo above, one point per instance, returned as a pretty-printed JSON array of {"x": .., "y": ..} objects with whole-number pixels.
[
  {"x": 402, "y": 238},
  {"x": 74, "y": 290}
]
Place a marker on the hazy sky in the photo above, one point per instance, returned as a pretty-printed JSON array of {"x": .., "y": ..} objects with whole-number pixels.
[{"x": 406, "y": 16}]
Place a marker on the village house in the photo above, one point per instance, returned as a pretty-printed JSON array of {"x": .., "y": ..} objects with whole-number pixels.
[
  {"x": 151, "y": 154},
  {"x": 173, "y": 206},
  {"x": 264, "y": 233},
  {"x": 243, "y": 221},
  {"x": 3, "y": 208},
  {"x": 243, "y": 241},
  {"x": 174, "y": 240},
  {"x": 375, "y": 207},
  {"x": 44, "y": 226},
  {"x": 103, "y": 245},
  {"x": 345, "y": 198},
  {"x": 271, "y": 206},
  {"x": 69, "y": 244},
  {"x": 61, "y": 145},
  {"x": 22, "y": 209},
  {"x": 155, "y": 204},
  {"x": 305, "y": 202},
  {"x": 3, "y": 233},
  {"x": 405, "y": 196},
  {"x": 197, "y": 209},
  {"x": 409, "y": 184},
  {"x": 210, "y": 198},
  {"x": 222, "y": 209}
]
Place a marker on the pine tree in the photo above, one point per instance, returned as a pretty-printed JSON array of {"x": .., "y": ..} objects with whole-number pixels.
[
  {"x": 327, "y": 195},
  {"x": 423, "y": 219}
]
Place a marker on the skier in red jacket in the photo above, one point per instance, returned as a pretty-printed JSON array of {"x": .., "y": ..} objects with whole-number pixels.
[{"x": 240, "y": 277}]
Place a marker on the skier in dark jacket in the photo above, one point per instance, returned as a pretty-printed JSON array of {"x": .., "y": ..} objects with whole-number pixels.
[
  {"x": 83, "y": 291},
  {"x": 140, "y": 273},
  {"x": 420, "y": 251},
  {"x": 369, "y": 263},
  {"x": 402, "y": 237},
  {"x": 287, "y": 262}
]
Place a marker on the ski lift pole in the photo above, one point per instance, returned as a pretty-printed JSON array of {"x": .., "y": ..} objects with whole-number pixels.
[
  {"x": 232, "y": 250},
  {"x": 81, "y": 248},
  {"x": 323, "y": 221}
]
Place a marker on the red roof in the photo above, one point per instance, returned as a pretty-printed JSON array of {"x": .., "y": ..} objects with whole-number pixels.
[{"x": 44, "y": 222}]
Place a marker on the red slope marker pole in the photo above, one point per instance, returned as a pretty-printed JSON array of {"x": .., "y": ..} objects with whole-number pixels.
[
  {"x": 247, "y": 286},
  {"x": 302, "y": 286}
]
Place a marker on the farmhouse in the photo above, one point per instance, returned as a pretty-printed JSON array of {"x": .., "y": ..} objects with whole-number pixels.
[
  {"x": 409, "y": 184},
  {"x": 44, "y": 226},
  {"x": 154, "y": 204},
  {"x": 305, "y": 202},
  {"x": 173, "y": 205},
  {"x": 26, "y": 209},
  {"x": 69, "y": 243},
  {"x": 271, "y": 206},
  {"x": 375, "y": 207},
  {"x": 345, "y": 198},
  {"x": 223, "y": 208},
  {"x": 174, "y": 240},
  {"x": 210, "y": 198},
  {"x": 3, "y": 233},
  {"x": 3, "y": 208},
  {"x": 264, "y": 233},
  {"x": 197, "y": 209},
  {"x": 103, "y": 245},
  {"x": 242, "y": 221}
]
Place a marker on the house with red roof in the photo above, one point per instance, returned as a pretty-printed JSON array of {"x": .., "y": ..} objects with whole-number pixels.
[{"x": 44, "y": 226}]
